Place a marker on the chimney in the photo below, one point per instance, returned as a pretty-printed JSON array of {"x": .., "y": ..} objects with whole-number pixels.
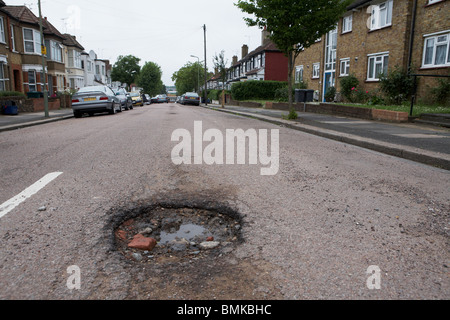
[
  {"x": 244, "y": 51},
  {"x": 265, "y": 36},
  {"x": 235, "y": 60}
]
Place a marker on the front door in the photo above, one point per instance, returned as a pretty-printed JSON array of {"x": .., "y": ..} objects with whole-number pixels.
[{"x": 330, "y": 61}]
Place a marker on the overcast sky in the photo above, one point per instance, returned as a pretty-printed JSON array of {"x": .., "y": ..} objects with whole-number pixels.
[{"x": 167, "y": 32}]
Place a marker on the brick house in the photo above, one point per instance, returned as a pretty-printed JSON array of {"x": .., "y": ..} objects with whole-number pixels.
[
  {"x": 26, "y": 40},
  {"x": 10, "y": 59},
  {"x": 374, "y": 37},
  {"x": 266, "y": 62}
]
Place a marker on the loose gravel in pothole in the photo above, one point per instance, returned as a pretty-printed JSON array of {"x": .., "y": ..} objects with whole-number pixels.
[{"x": 183, "y": 233}]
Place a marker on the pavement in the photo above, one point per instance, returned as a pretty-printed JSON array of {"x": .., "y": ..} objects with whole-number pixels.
[
  {"x": 23, "y": 120},
  {"x": 424, "y": 143},
  {"x": 418, "y": 142}
]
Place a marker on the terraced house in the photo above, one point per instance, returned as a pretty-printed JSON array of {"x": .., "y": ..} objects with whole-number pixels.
[
  {"x": 266, "y": 62},
  {"x": 375, "y": 36},
  {"x": 21, "y": 59}
]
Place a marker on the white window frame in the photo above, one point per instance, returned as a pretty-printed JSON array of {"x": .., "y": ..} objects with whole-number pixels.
[
  {"x": 378, "y": 59},
  {"x": 434, "y": 1},
  {"x": 3, "y": 79},
  {"x": 344, "y": 67},
  {"x": 380, "y": 11},
  {"x": 34, "y": 84},
  {"x": 13, "y": 39},
  {"x": 299, "y": 74},
  {"x": 2, "y": 30},
  {"x": 56, "y": 52},
  {"x": 316, "y": 70},
  {"x": 36, "y": 41},
  {"x": 438, "y": 40},
  {"x": 347, "y": 23},
  {"x": 74, "y": 57}
]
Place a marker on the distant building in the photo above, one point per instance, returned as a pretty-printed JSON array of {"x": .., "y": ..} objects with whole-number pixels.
[{"x": 266, "y": 62}]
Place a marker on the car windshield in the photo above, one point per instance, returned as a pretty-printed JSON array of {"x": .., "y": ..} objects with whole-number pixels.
[
  {"x": 191, "y": 94},
  {"x": 135, "y": 94}
]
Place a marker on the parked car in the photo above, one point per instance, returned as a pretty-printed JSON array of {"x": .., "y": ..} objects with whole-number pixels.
[
  {"x": 178, "y": 99},
  {"x": 137, "y": 99},
  {"x": 161, "y": 98},
  {"x": 95, "y": 99},
  {"x": 154, "y": 99},
  {"x": 125, "y": 98},
  {"x": 191, "y": 98},
  {"x": 147, "y": 99}
]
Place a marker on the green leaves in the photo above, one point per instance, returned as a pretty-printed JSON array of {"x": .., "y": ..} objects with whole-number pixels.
[
  {"x": 189, "y": 77},
  {"x": 150, "y": 79},
  {"x": 126, "y": 69}
]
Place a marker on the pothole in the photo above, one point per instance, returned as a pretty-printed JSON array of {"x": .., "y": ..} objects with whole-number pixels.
[{"x": 160, "y": 234}]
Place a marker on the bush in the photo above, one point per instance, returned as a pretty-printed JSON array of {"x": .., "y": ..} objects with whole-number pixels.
[
  {"x": 11, "y": 94},
  {"x": 397, "y": 86},
  {"x": 214, "y": 94},
  {"x": 347, "y": 83},
  {"x": 331, "y": 93},
  {"x": 258, "y": 90},
  {"x": 441, "y": 93}
]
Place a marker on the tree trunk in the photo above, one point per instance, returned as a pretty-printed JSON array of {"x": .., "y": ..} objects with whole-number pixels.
[{"x": 290, "y": 69}]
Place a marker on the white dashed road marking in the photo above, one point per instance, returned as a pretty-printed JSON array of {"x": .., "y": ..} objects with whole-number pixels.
[{"x": 9, "y": 205}]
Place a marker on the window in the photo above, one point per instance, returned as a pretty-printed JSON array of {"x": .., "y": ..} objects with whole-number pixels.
[
  {"x": 56, "y": 51},
  {"x": 316, "y": 70},
  {"x": 32, "y": 80},
  {"x": 344, "y": 69},
  {"x": 13, "y": 40},
  {"x": 381, "y": 15},
  {"x": 347, "y": 24},
  {"x": 298, "y": 74},
  {"x": 377, "y": 65},
  {"x": 32, "y": 41},
  {"x": 437, "y": 51},
  {"x": 2, "y": 78},
  {"x": 74, "y": 59},
  {"x": 433, "y": 1},
  {"x": 2, "y": 31}
]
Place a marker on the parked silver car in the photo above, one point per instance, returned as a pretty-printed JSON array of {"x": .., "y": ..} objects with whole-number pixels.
[
  {"x": 95, "y": 99},
  {"x": 125, "y": 98}
]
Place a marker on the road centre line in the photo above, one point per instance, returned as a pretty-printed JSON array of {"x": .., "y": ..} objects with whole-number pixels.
[{"x": 9, "y": 205}]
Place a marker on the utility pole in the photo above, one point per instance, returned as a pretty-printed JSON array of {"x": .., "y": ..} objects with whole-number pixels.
[
  {"x": 205, "y": 91},
  {"x": 43, "y": 53}
]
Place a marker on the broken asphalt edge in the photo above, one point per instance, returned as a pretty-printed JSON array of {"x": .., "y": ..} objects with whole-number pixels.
[{"x": 430, "y": 158}]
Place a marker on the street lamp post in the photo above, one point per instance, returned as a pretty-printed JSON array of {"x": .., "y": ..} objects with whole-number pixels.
[
  {"x": 198, "y": 73},
  {"x": 43, "y": 53}
]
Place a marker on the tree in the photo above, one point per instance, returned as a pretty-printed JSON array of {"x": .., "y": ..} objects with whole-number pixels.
[
  {"x": 126, "y": 69},
  {"x": 221, "y": 66},
  {"x": 294, "y": 25},
  {"x": 189, "y": 77},
  {"x": 150, "y": 79}
]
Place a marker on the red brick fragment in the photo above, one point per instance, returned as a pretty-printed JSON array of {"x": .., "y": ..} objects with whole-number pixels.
[{"x": 142, "y": 243}]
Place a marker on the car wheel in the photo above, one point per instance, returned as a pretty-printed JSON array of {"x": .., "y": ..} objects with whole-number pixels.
[
  {"x": 113, "y": 109},
  {"x": 77, "y": 114}
]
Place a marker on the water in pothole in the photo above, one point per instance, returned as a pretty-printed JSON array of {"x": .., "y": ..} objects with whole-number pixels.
[{"x": 186, "y": 231}]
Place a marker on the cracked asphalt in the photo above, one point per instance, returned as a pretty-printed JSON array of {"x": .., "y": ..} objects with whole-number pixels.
[{"x": 309, "y": 232}]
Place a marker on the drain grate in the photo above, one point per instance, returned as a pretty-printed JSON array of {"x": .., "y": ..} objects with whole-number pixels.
[{"x": 179, "y": 233}]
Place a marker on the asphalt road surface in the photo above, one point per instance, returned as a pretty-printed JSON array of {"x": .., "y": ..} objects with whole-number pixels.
[{"x": 335, "y": 222}]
